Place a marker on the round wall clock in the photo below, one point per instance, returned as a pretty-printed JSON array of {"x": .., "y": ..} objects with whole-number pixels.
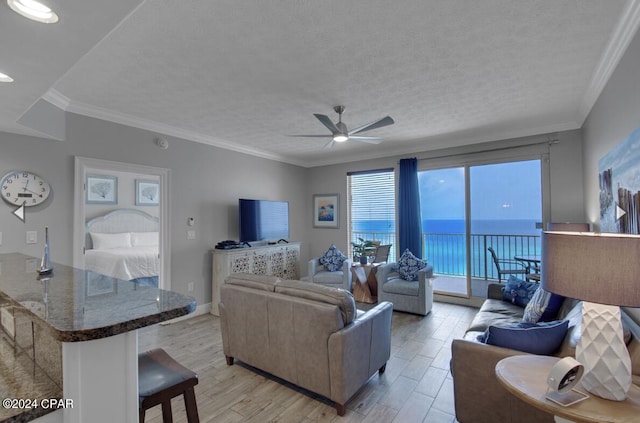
[{"x": 22, "y": 187}]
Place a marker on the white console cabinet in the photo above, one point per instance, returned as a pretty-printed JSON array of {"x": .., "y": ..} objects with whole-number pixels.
[{"x": 282, "y": 260}]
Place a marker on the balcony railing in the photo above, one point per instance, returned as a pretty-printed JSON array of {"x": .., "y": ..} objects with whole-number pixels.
[{"x": 447, "y": 252}]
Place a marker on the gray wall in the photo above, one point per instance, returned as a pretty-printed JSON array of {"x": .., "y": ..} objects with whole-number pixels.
[
  {"x": 206, "y": 183},
  {"x": 565, "y": 174},
  {"x": 614, "y": 117}
]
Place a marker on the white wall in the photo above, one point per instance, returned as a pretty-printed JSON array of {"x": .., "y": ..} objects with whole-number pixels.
[
  {"x": 613, "y": 118},
  {"x": 206, "y": 183}
]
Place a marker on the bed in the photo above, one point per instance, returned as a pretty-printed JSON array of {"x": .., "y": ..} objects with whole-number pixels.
[{"x": 124, "y": 244}]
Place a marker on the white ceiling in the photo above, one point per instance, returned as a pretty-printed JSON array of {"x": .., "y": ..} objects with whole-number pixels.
[{"x": 244, "y": 74}]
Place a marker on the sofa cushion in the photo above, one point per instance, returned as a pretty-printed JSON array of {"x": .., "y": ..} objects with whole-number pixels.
[
  {"x": 535, "y": 338},
  {"x": 409, "y": 265},
  {"x": 519, "y": 292},
  {"x": 495, "y": 312},
  {"x": 264, "y": 282},
  {"x": 543, "y": 307},
  {"x": 326, "y": 294},
  {"x": 401, "y": 286},
  {"x": 325, "y": 277},
  {"x": 333, "y": 259}
]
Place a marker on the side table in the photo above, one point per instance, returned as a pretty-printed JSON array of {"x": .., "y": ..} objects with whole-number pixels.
[
  {"x": 365, "y": 288},
  {"x": 525, "y": 376}
]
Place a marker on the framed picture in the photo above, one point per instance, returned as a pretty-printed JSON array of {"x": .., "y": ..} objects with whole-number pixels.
[
  {"x": 147, "y": 192},
  {"x": 102, "y": 189},
  {"x": 326, "y": 211}
]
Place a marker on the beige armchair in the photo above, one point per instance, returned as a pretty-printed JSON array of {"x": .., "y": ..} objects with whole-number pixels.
[
  {"x": 410, "y": 296},
  {"x": 338, "y": 279}
]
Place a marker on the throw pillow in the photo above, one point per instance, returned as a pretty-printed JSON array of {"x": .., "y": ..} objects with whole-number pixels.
[
  {"x": 534, "y": 338},
  {"x": 543, "y": 307},
  {"x": 519, "y": 292},
  {"x": 333, "y": 259},
  {"x": 409, "y": 265}
]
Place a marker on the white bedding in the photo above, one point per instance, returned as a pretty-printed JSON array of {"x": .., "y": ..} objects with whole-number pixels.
[{"x": 124, "y": 263}]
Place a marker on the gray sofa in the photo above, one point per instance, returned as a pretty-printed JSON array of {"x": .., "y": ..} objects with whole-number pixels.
[
  {"x": 307, "y": 334},
  {"x": 473, "y": 363}
]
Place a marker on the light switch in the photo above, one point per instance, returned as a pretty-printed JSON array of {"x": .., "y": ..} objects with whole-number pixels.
[
  {"x": 32, "y": 237},
  {"x": 191, "y": 234}
]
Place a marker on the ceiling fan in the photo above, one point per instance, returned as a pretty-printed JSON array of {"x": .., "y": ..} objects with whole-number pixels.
[{"x": 340, "y": 133}]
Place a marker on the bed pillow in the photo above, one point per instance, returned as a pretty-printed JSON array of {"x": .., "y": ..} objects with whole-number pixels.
[
  {"x": 542, "y": 307},
  {"x": 519, "y": 292},
  {"x": 333, "y": 259},
  {"x": 534, "y": 338},
  {"x": 110, "y": 241},
  {"x": 145, "y": 239}
]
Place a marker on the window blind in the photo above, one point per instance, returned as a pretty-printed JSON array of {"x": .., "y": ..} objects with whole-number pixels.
[{"x": 372, "y": 207}]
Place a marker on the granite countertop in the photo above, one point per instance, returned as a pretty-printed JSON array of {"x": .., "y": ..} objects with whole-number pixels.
[{"x": 80, "y": 305}]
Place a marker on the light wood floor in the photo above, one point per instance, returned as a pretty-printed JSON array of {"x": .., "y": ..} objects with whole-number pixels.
[{"x": 416, "y": 387}]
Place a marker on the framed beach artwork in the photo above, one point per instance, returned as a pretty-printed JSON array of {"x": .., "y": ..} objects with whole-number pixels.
[
  {"x": 326, "y": 210},
  {"x": 619, "y": 179},
  {"x": 102, "y": 189},
  {"x": 147, "y": 193}
]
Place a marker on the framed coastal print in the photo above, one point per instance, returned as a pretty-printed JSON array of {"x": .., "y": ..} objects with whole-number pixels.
[
  {"x": 147, "y": 193},
  {"x": 102, "y": 189},
  {"x": 326, "y": 210}
]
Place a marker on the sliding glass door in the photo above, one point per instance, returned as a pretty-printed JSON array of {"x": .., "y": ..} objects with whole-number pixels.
[{"x": 467, "y": 209}]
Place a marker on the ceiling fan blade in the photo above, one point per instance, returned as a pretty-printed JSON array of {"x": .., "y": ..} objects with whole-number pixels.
[
  {"x": 369, "y": 140},
  {"x": 385, "y": 121},
  {"x": 311, "y": 136},
  {"x": 327, "y": 122},
  {"x": 329, "y": 144}
]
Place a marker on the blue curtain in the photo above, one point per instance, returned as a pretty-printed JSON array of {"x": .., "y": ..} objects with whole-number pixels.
[{"x": 409, "y": 221}]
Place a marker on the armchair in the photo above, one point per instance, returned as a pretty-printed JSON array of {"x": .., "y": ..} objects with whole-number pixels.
[
  {"x": 338, "y": 279},
  {"x": 410, "y": 296}
]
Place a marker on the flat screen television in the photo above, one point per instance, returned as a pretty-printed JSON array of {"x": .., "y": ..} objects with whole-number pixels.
[{"x": 263, "y": 220}]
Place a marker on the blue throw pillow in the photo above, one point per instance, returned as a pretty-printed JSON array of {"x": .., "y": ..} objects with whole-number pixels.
[
  {"x": 519, "y": 292},
  {"x": 333, "y": 259},
  {"x": 409, "y": 265},
  {"x": 535, "y": 338},
  {"x": 543, "y": 307}
]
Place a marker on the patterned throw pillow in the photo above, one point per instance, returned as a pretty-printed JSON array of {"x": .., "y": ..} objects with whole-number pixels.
[
  {"x": 519, "y": 292},
  {"x": 543, "y": 307},
  {"x": 409, "y": 265},
  {"x": 333, "y": 259}
]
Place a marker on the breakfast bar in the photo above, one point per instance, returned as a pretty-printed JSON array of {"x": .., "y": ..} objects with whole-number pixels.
[{"x": 69, "y": 345}]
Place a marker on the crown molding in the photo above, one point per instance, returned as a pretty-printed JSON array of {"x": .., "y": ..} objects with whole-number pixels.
[
  {"x": 621, "y": 37},
  {"x": 58, "y": 99}
]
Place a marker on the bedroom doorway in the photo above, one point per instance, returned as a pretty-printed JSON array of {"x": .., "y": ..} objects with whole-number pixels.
[{"x": 132, "y": 201}]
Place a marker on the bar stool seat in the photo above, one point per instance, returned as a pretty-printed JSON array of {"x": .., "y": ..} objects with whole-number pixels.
[{"x": 161, "y": 378}]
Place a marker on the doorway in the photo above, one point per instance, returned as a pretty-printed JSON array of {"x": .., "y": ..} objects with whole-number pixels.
[
  {"x": 135, "y": 177},
  {"x": 467, "y": 209}
]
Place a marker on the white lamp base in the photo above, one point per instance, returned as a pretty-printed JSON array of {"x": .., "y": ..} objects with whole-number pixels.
[{"x": 602, "y": 351}]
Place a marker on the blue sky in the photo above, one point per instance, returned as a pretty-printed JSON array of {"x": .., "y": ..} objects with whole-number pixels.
[{"x": 498, "y": 192}]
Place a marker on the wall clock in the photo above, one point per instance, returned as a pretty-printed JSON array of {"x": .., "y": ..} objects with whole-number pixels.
[{"x": 21, "y": 187}]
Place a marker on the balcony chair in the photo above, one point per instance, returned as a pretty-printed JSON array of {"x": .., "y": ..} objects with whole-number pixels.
[
  {"x": 382, "y": 254},
  {"x": 409, "y": 296},
  {"x": 337, "y": 279},
  {"x": 514, "y": 267}
]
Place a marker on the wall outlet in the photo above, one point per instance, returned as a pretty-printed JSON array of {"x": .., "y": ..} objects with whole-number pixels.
[
  {"x": 32, "y": 237},
  {"x": 191, "y": 234},
  {"x": 190, "y": 286}
]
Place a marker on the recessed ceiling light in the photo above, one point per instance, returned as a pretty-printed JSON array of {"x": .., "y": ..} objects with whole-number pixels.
[
  {"x": 5, "y": 78},
  {"x": 33, "y": 10}
]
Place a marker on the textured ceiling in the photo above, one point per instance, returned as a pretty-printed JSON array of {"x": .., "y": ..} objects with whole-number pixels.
[{"x": 243, "y": 74}]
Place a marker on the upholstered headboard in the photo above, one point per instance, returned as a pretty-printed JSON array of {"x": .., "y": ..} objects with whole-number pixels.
[{"x": 121, "y": 220}]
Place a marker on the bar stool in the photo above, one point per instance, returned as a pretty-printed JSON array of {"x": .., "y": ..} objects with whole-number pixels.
[{"x": 161, "y": 378}]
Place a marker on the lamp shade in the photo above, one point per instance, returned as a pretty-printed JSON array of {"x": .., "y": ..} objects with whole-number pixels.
[{"x": 599, "y": 268}]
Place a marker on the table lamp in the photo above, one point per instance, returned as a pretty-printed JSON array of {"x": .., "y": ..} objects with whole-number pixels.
[{"x": 603, "y": 270}]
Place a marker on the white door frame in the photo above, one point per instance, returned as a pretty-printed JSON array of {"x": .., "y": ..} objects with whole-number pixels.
[{"x": 81, "y": 166}]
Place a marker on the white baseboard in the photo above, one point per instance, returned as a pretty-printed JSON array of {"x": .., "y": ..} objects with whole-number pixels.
[{"x": 200, "y": 310}]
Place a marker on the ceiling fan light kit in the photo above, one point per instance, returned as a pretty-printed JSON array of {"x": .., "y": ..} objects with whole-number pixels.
[{"x": 340, "y": 132}]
